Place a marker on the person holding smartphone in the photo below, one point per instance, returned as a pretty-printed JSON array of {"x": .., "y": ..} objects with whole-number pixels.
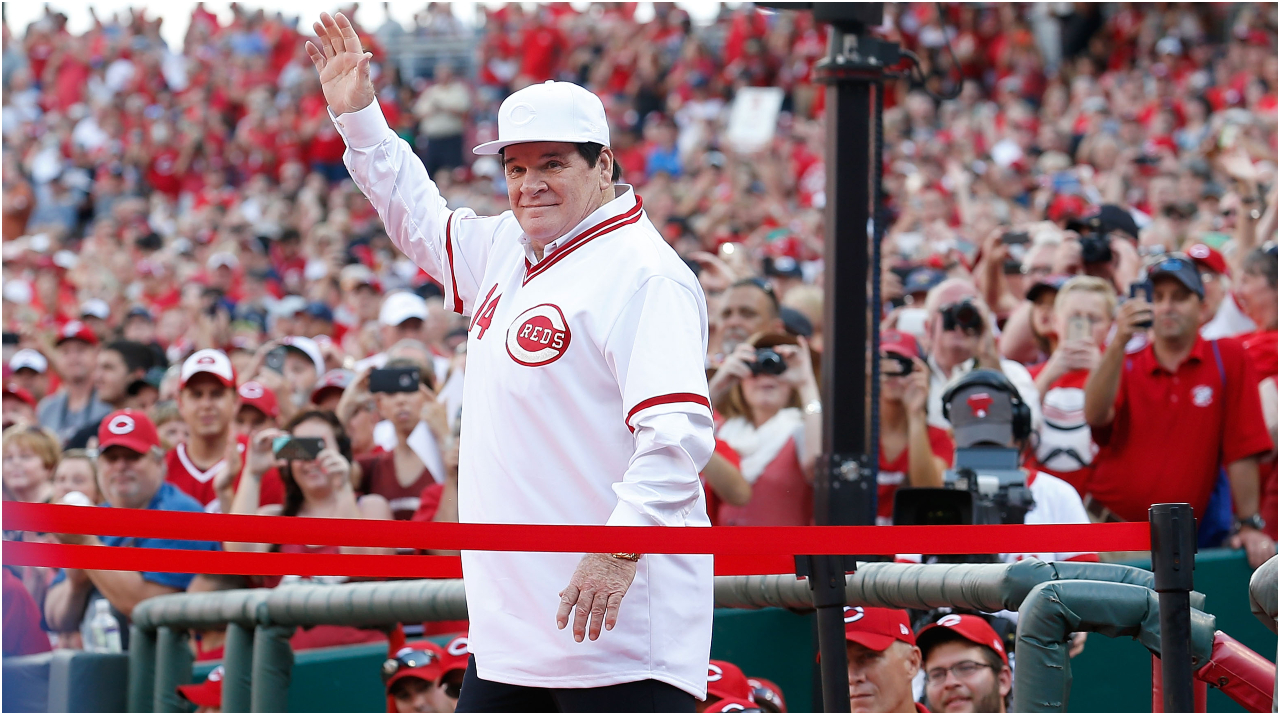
[
  {"x": 1168, "y": 415},
  {"x": 403, "y": 396},
  {"x": 1081, "y": 321}
]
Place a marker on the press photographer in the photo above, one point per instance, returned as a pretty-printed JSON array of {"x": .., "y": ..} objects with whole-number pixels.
[{"x": 991, "y": 426}]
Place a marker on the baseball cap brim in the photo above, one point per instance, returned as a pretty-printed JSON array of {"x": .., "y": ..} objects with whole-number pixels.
[
  {"x": 430, "y": 673},
  {"x": 929, "y": 636},
  {"x": 982, "y": 433},
  {"x": 492, "y": 148},
  {"x": 1192, "y": 284}
]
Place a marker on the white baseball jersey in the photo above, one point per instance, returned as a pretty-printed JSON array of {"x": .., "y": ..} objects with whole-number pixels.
[{"x": 585, "y": 403}]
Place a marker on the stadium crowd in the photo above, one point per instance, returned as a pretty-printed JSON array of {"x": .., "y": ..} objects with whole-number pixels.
[{"x": 189, "y": 276}]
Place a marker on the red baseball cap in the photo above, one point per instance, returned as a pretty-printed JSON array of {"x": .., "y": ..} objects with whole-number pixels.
[
  {"x": 727, "y": 681},
  {"x": 336, "y": 379},
  {"x": 733, "y": 705},
  {"x": 421, "y": 659},
  {"x": 256, "y": 395},
  {"x": 214, "y": 362},
  {"x": 899, "y": 343},
  {"x": 456, "y": 654},
  {"x": 128, "y": 428},
  {"x": 1208, "y": 257},
  {"x": 76, "y": 330},
  {"x": 21, "y": 394},
  {"x": 972, "y": 628},
  {"x": 877, "y": 628},
  {"x": 207, "y": 694}
]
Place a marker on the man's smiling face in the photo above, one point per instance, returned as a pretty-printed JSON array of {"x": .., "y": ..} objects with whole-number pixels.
[{"x": 552, "y": 188}]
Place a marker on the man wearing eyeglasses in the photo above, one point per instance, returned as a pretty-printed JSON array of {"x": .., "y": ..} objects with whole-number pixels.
[
  {"x": 1168, "y": 415},
  {"x": 966, "y": 668}
]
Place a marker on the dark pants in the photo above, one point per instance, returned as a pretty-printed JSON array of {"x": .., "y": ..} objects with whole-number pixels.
[{"x": 645, "y": 696}]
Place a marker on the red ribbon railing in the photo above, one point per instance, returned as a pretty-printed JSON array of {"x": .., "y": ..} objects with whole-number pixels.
[{"x": 739, "y": 550}]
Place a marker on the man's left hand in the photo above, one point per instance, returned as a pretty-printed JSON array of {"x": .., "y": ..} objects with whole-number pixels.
[
  {"x": 1258, "y": 547},
  {"x": 596, "y": 590}
]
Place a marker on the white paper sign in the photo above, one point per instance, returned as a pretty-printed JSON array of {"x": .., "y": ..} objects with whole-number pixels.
[{"x": 754, "y": 118}]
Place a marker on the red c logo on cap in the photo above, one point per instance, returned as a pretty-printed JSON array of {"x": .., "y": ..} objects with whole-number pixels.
[
  {"x": 853, "y": 613},
  {"x": 1199, "y": 251},
  {"x": 122, "y": 424},
  {"x": 714, "y": 673},
  {"x": 979, "y": 404},
  {"x": 251, "y": 391},
  {"x": 206, "y": 360},
  {"x": 949, "y": 621}
]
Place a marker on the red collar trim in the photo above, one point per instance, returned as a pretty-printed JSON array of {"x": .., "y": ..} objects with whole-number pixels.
[
  {"x": 1199, "y": 353},
  {"x": 631, "y": 216}
]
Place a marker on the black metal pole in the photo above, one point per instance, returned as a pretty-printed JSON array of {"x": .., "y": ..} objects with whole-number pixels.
[{"x": 1173, "y": 558}]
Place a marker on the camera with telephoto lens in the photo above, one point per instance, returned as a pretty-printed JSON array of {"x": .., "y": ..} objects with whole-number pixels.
[
  {"x": 964, "y": 315},
  {"x": 987, "y": 486},
  {"x": 1095, "y": 248},
  {"x": 768, "y": 362}
]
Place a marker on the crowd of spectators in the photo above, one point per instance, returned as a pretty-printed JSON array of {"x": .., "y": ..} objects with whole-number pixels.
[{"x": 1093, "y": 216}]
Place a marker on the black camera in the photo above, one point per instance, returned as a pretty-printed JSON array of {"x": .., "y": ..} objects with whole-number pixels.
[
  {"x": 986, "y": 487},
  {"x": 964, "y": 315},
  {"x": 768, "y": 362},
  {"x": 1095, "y": 248},
  {"x": 901, "y": 363}
]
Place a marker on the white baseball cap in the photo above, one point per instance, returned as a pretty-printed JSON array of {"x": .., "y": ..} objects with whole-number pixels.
[
  {"x": 401, "y": 306},
  {"x": 549, "y": 112},
  {"x": 28, "y": 359},
  {"x": 214, "y": 362},
  {"x": 95, "y": 308},
  {"x": 309, "y": 348}
]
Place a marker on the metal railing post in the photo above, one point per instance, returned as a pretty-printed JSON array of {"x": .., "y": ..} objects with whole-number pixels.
[
  {"x": 237, "y": 662},
  {"x": 142, "y": 669},
  {"x": 173, "y": 668},
  {"x": 272, "y": 669},
  {"x": 1173, "y": 558}
]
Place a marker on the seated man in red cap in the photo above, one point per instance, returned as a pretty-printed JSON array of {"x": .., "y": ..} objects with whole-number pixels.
[
  {"x": 965, "y": 665},
  {"x": 131, "y": 476},
  {"x": 883, "y": 659},
  {"x": 415, "y": 679}
]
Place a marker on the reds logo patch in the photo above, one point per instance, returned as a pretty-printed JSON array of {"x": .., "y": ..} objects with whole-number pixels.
[
  {"x": 456, "y": 647},
  {"x": 949, "y": 620},
  {"x": 978, "y": 403},
  {"x": 122, "y": 424},
  {"x": 205, "y": 360},
  {"x": 538, "y": 336},
  {"x": 714, "y": 673},
  {"x": 251, "y": 391},
  {"x": 853, "y": 613},
  {"x": 1201, "y": 395}
]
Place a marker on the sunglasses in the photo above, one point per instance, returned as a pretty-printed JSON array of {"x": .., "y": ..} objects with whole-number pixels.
[{"x": 406, "y": 660}]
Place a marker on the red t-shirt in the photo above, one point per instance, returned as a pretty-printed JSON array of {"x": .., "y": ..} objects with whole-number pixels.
[
  {"x": 713, "y": 502},
  {"x": 1172, "y": 430},
  {"x": 187, "y": 476},
  {"x": 379, "y": 477},
  {"x": 892, "y": 474},
  {"x": 1261, "y": 347},
  {"x": 779, "y": 497}
]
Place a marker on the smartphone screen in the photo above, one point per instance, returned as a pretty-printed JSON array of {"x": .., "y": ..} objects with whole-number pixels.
[
  {"x": 396, "y": 379},
  {"x": 301, "y": 448},
  {"x": 1077, "y": 328}
]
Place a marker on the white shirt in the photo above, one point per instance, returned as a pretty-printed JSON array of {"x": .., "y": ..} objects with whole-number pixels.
[
  {"x": 1013, "y": 370},
  {"x": 585, "y": 403},
  {"x": 1228, "y": 322}
]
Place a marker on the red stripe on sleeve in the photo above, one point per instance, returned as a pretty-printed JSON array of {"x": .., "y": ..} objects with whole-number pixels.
[
  {"x": 448, "y": 249},
  {"x": 667, "y": 400}
]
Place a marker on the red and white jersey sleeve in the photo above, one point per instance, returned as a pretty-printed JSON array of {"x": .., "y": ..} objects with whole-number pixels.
[
  {"x": 414, "y": 213},
  {"x": 585, "y": 402}
]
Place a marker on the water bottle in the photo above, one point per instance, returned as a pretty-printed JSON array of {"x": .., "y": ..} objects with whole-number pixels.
[{"x": 104, "y": 630}]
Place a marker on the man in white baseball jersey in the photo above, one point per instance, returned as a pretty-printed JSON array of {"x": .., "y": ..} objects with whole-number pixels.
[{"x": 585, "y": 403}]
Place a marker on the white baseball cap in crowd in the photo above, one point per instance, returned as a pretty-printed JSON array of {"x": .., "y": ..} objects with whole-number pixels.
[
  {"x": 214, "y": 362},
  {"x": 549, "y": 112},
  {"x": 95, "y": 308},
  {"x": 401, "y": 306},
  {"x": 307, "y": 347},
  {"x": 28, "y": 359}
]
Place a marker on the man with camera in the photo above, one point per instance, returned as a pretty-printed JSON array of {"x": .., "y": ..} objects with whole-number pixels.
[
  {"x": 960, "y": 339},
  {"x": 1167, "y": 416},
  {"x": 586, "y": 395},
  {"x": 749, "y": 307}
]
